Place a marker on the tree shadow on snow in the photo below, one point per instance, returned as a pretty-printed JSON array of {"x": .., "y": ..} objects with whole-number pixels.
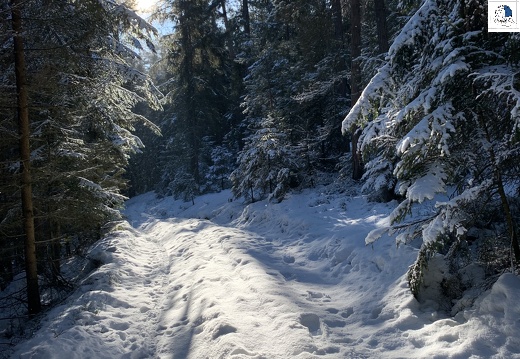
[
  {"x": 176, "y": 337},
  {"x": 284, "y": 267}
]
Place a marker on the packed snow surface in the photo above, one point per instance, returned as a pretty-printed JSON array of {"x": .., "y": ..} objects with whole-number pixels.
[{"x": 219, "y": 279}]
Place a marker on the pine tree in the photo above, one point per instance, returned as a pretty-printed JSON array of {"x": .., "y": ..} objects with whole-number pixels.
[
  {"x": 295, "y": 87},
  {"x": 442, "y": 117},
  {"x": 81, "y": 92},
  {"x": 199, "y": 74},
  {"x": 264, "y": 164}
]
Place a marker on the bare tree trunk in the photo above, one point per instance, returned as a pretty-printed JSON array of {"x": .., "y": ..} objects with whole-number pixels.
[
  {"x": 355, "y": 29},
  {"x": 6, "y": 266},
  {"x": 337, "y": 19},
  {"x": 502, "y": 193},
  {"x": 33, "y": 291},
  {"x": 228, "y": 30},
  {"x": 382, "y": 30},
  {"x": 55, "y": 250},
  {"x": 342, "y": 87},
  {"x": 355, "y": 81},
  {"x": 509, "y": 216},
  {"x": 339, "y": 36},
  {"x": 245, "y": 16}
]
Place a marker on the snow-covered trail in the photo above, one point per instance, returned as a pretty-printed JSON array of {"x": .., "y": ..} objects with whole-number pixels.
[
  {"x": 178, "y": 287},
  {"x": 222, "y": 297},
  {"x": 114, "y": 312},
  {"x": 220, "y": 280},
  {"x": 266, "y": 285},
  {"x": 230, "y": 295}
]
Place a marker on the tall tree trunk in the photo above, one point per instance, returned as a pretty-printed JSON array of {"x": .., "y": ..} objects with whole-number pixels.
[
  {"x": 382, "y": 30},
  {"x": 55, "y": 250},
  {"x": 339, "y": 36},
  {"x": 245, "y": 17},
  {"x": 355, "y": 29},
  {"x": 229, "y": 41},
  {"x": 6, "y": 265},
  {"x": 509, "y": 216},
  {"x": 337, "y": 19},
  {"x": 355, "y": 81},
  {"x": 33, "y": 291}
]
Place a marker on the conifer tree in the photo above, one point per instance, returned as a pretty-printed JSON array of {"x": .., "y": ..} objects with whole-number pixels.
[
  {"x": 197, "y": 97},
  {"x": 441, "y": 117},
  {"x": 295, "y": 88},
  {"x": 81, "y": 92}
]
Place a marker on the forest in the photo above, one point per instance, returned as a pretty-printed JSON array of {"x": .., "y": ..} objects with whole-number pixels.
[{"x": 412, "y": 101}]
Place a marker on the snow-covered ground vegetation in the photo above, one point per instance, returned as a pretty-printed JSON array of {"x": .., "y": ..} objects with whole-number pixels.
[{"x": 221, "y": 279}]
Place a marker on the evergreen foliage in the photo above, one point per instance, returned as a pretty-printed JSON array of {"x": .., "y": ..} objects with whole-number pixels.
[
  {"x": 441, "y": 117},
  {"x": 293, "y": 99},
  {"x": 199, "y": 72},
  {"x": 255, "y": 92},
  {"x": 82, "y": 89}
]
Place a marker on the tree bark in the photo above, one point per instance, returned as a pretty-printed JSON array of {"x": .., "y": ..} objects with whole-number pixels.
[
  {"x": 339, "y": 36},
  {"x": 337, "y": 19},
  {"x": 55, "y": 250},
  {"x": 33, "y": 291},
  {"x": 382, "y": 30},
  {"x": 355, "y": 81},
  {"x": 355, "y": 28},
  {"x": 231, "y": 49},
  {"x": 245, "y": 16},
  {"x": 509, "y": 216}
]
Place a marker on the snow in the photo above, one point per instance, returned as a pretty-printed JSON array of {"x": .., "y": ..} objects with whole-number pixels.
[
  {"x": 220, "y": 279},
  {"x": 428, "y": 185}
]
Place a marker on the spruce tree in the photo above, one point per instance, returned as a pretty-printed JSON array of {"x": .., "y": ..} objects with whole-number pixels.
[
  {"x": 441, "y": 117},
  {"x": 197, "y": 96},
  {"x": 295, "y": 88},
  {"x": 81, "y": 92}
]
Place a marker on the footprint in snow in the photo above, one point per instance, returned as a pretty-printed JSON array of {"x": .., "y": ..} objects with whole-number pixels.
[
  {"x": 312, "y": 322},
  {"x": 223, "y": 329},
  {"x": 317, "y": 297}
]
